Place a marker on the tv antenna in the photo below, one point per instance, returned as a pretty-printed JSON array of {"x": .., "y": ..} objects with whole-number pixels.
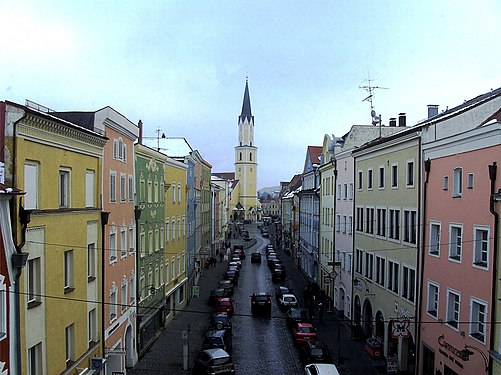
[
  {"x": 376, "y": 120},
  {"x": 158, "y": 137}
]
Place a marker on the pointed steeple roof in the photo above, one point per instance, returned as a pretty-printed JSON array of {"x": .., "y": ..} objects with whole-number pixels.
[{"x": 246, "y": 106}]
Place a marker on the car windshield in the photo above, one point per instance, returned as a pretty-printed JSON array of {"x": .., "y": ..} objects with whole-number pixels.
[
  {"x": 306, "y": 330},
  {"x": 224, "y": 303},
  {"x": 261, "y": 298},
  {"x": 295, "y": 314},
  {"x": 317, "y": 352},
  {"x": 221, "y": 361},
  {"x": 289, "y": 299}
]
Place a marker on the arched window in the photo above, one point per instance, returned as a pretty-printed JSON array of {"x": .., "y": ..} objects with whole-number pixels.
[
  {"x": 250, "y": 155},
  {"x": 240, "y": 156}
]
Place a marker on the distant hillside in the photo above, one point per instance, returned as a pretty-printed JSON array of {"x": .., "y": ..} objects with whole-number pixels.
[{"x": 268, "y": 191}]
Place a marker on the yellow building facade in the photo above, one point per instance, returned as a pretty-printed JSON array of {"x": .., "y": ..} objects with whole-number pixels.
[
  {"x": 175, "y": 250},
  {"x": 59, "y": 166}
]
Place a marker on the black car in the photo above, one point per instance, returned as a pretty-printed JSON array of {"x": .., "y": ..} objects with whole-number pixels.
[
  {"x": 256, "y": 257},
  {"x": 296, "y": 315},
  {"x": 277, "y": 275},
  {"x": 218, "y": 338},
  {"x": 261, "y": 303},
  {"x": 216, "y": 294},
  {"x": 231, "y": 276},
  {"x": 220, "y": 320},
  {"x": 213, "y": 361},
  {"x": 315, "y": 352}
]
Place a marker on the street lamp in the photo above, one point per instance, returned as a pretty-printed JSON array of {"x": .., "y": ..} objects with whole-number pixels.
[{"x": 467, "y": 352}]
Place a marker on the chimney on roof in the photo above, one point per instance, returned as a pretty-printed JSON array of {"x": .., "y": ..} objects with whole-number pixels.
[
  {"x": 432, "y": 110},
  {"x": 140, "y": 126},
  {"x": 401, "y": 120},
  {"x": 393, "y": 121}
]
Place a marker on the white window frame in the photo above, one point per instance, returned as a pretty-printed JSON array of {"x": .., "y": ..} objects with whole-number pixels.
[
  {"x": 92, "y": 327},
  {"x": 470, "y": 181},
  {"x": 70, "y": 343},
  {"x": 360, "y": 219},
  {"x": 360, "y": 181},
  {"x": 393, "y": 279},
  {"x": 91, "y": 262},
  {"x": 64, "y": 187},
  {"x": 408, "y": 283},
  {"x": 394, "y": 175},
  {"x": 455, "y": 249},
  {"x": 90, "y": 177},
  {"x": 131, "y": 188},
  {"x": 69, "y": 273},
  {"x": 123, "y": 295},
  {"x": 453, "y": 316},
  {"x": 445, "y": 183},
  {"x": 34, "y": 281},
  {"x": 369, "y": 266},
  {"x": 381, "y": 221},
  {"x": 113, "y": 186},
  {"x": 481, "y": 247},
  {"x": 410, "y": 226},
  {"x": 370, "y": 179},
  {"x": 359, "y": 261},
  {"x": 434, "y": 240},
  {"x": 369, "y": 221},
  {"x": 394, "y": 224},
  {"x": 123, "y": 187},
  {"x": 31, "y": 184},
  {"x": 457, "y": 190},
  {"x": 123, "y": 241},
  {"x": 381, "y": 177},
  {"x": 433, "y": 299},
  {"x": 410, "y": 177},
  {"x": 3, "y": 310},
  {"x": 113, "y": 303},
  {"x": 478, "y": 327},
  {"x": 380, "y": 271}
]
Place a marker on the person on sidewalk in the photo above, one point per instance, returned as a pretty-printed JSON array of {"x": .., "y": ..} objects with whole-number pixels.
[
  {"x": 321, "y": 309},
  {"x": 221, "y": 256}
]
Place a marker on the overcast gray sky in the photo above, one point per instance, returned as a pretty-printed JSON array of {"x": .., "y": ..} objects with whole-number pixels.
[{"x": 180, "y": 66}]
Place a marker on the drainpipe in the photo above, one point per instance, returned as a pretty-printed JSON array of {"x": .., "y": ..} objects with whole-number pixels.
[
  {"x": 494, "y": 197},
  {"x": 104, "y": 221},
  {"x": 427, "y": 169}
]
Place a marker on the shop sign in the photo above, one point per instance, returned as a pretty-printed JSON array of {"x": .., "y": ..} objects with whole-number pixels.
[
  {"x": 392, "y": 364},
  {"x": 400, "y": 328},
  {"x": 460, "y": 353}
]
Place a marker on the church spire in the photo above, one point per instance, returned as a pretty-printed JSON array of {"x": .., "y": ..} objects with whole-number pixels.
[{"x": 246, "y": 107}]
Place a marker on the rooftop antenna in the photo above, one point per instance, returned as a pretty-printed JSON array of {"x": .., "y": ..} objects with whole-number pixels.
[
  {"x": 158, "y": 137},
  {"x": 376, "y": 120}
]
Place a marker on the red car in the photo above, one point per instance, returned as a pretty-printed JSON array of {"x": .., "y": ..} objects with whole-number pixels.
[
  {"x": 303, "y": 332},
  {"x": 225, "y": 305}
]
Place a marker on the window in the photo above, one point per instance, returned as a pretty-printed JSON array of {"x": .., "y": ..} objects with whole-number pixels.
[
  {"x": 173, "y": 228},
  {"x": 470, "y": 181},
  {"x": 92, "y": 333},
  {"x": 113, "y": 303},
  {"x": 381, "y": 222},
  {"x": 123, "y": 187},
  {"x": 410, "y": 226},
  {"x": 380, "y": 271},
  {"x": 338, "y": 223},
  {"x": 381, "y": 178},
  {"x": 359, "y": 254},
  {"x": 123, "y": 295},
  {"x": 481, "y": 247},
  {"x": 434, "y": 248},
  {"x": 89, "y": 188},
  {"x": 369, "y": 178},
  {"x": 150, "y": 242},
  {"x": 445, "y": 184},
  {"x": 123, "y": 242},
  {"x": 394, "y": 228},
  {"x": 350, "y": 197},
  {"x": 393, "y": 276},
  {"x": 478, "y": 319},
  {"x": 369, "y": 265},
  {"x": 338, "y": 193},
  {"x": 458, "y": 182},
  {"x": 173, "y": 268},
  {"x": 410, "y": 174},
  {"x": 360, "y": 219},
  {"x": 179, "y": 193},
  {"x": 174, "y": 192},
  {"x": 453, "y": 303},
  {"x": 345, "y": 191},
  {"x": 167, "y": 271},
  {"x": 360, "y": 179},
  {"x": 350, "y": 224},
  {"x": 408, "y": 283},
  {"x": 142, "y": 244},
  {"x": 149, "y": 198},
  {"x": 348, "y": 262},
  {"x": 394, "y": 176},
  {"x": 34, "y": 282},
  {"x": 64, "y": 188},
  {"x": 131, "y": 188},
  {"x": 432, "y": 303},
  {"x": 113, "y": 186},
  {"x": 91, "y": 262},
  {"x": 455, "y": 243},
  {"x": 167, "y": 233},
  {"x": 250, "y": 156},
  {"x": 132, "y": 245},
  {"x": 113, "y": 247},
  {"x": 369, "y": 229},
  {"x": 70, "y": 344},
  {"x": 31, "y": 185},
  {"x": 132, "y": 294},
  {"x": 68, "y": 271},
  {"x": 344, "y": 224},
  {"x": 35, "y": 359}
]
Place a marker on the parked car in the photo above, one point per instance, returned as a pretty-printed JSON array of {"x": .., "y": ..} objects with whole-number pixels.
[
  {"x": 287, "y": 301},
  {"x": 320, "y": 369},
  {"x": 239, "y": 252},
  {"x": 214, "y": 295},
  {"x": 303, "y": 332},
  {"x": 213, "y": 361},
  {"x": 282, "y": 290},
  {"x": 296, "y": 315},
  {"x": 227, "y": 285},
  {"x": 219, "y": 338},
  {"x": 220, "y": 320},
  {"x": 315, "y": 352},
  {"x": 261, "y": 303},
  {"x": 235, "y": 261},
  {"x": 265, "y": 234},
  {"x": 256, "y": 257},
  {"x": 234, "y": 267},
  {"x": 225, "y": 305},
  {"x": 277, "y": 275},
  {"x": 232, "y": 276}
]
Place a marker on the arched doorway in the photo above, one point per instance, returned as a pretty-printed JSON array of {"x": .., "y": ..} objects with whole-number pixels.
[
  {"x": 379, "y": 326},
  {"x": 367, "y": 321},
  {"x": 358, "y": 312},
  {"x": 129, "y": 352},
  {"x": 341, "y": 302}
]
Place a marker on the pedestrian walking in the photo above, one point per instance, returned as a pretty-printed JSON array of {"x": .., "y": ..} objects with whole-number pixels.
[
  {"x": 221, "y": 256},
  {"x": 321, "y": 309}
]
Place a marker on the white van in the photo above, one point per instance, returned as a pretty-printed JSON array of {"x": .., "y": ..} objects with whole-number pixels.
[{"x": 320, "y": 369}]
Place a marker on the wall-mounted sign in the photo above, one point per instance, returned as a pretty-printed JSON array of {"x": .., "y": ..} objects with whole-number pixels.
[{"x": 460, "y": 353}]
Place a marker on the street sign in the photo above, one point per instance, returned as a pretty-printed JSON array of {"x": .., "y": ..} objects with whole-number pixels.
[{"x": 400, "y": 328}]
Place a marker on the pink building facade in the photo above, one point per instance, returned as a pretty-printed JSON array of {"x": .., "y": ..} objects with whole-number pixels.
[{"x": 458, "y": 257}]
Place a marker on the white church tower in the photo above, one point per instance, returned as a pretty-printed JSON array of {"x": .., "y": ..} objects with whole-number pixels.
[{"x": 246, "y": 163}]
